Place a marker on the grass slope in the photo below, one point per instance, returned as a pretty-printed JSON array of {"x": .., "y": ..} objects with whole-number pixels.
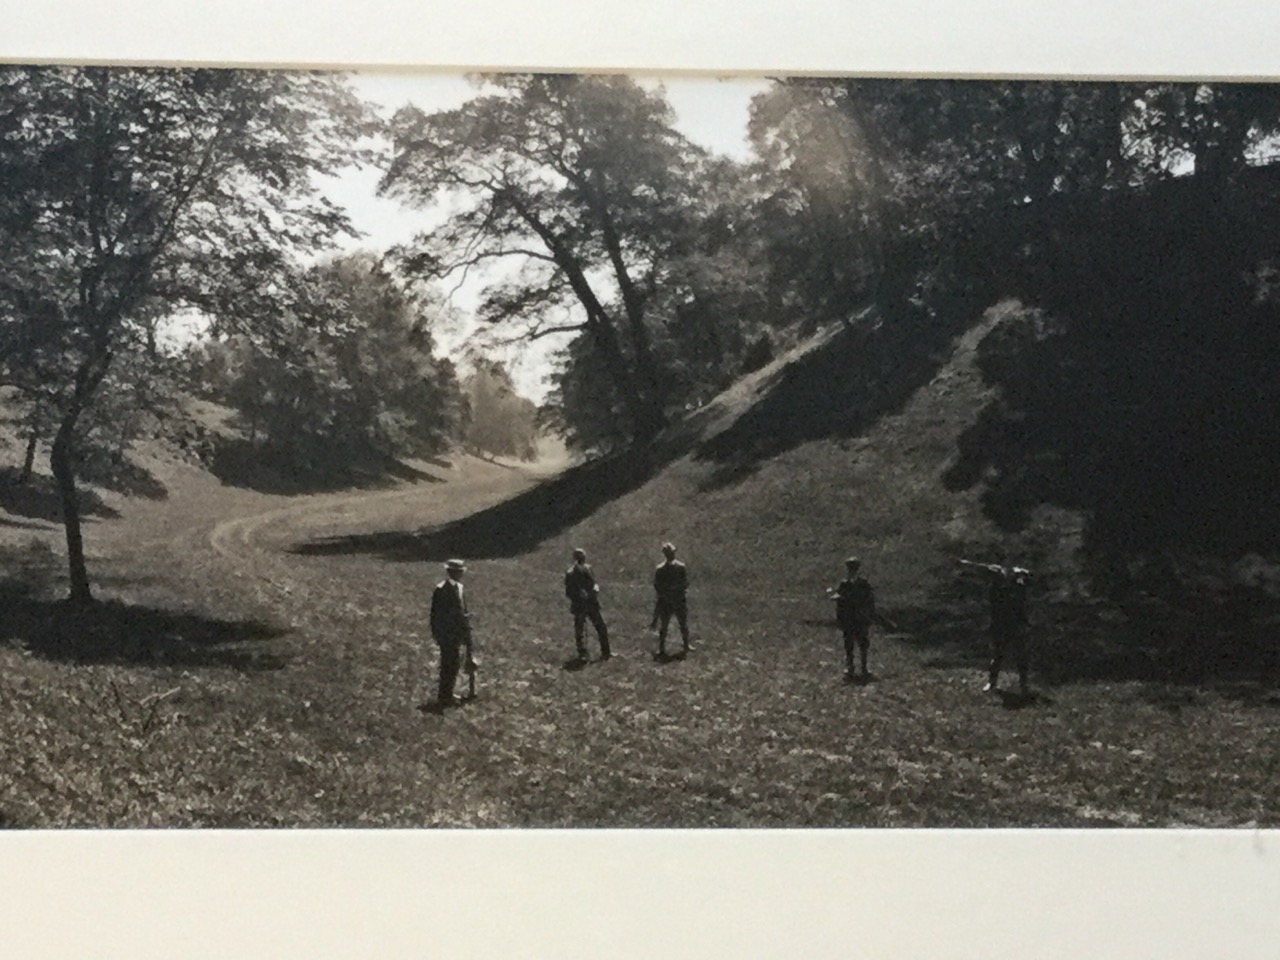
[{"x": 259, "y": 659}]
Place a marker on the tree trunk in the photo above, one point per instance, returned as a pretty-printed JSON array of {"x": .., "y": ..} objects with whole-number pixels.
[
  {"x": 29, "y": 463},
  {"x": 62, "y": 460}
]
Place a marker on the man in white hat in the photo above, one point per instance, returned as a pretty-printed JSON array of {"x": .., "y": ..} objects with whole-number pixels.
[{"x": 451, "y": 629}]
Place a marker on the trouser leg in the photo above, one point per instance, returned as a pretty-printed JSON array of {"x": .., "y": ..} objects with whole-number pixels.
[
  {"x": 850, "y": 643},
  {"x": 1020, "y": 658},
  {"x": 999, "y": 643},
  {"x": 580, "y": 634},
  {"x": 602, "y": 633},
  {"x": 682, "y": 618},
  {"x": 664, "y": 621},
  {"x": 864, "y": 647},
  {"x": 450, "y": 662}
]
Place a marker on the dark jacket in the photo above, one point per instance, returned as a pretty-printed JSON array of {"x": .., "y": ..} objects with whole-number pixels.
[
  {"x": 581, "y": 588},
  {"x": 671, "y": 582},
  {"x": 1008, "y": 598},
  {"x": 450, "y": 622},
  {"x": 855, "y": 602}
]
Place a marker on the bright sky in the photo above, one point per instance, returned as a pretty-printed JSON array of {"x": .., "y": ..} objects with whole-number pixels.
[{"x": 712, "y": 113}]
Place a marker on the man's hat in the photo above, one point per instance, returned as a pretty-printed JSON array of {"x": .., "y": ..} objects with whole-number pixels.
[
  {"x": 455, "y": 565},
  {"x": 669, "y": 549},
  {"x": 853, "y": 562},
  {"x": 579, "y": 554}
]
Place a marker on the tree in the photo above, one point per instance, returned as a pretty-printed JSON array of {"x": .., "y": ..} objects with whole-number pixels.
[
  {"x": 131, "y": 192},
  {"x": 585, "y": 183},
  {"x": 352, "y": 373},
  {"x": 1213, "y": 125},
  {"x": 500, "y": 422}
]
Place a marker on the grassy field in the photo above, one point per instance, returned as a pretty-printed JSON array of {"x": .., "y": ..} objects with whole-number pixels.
[{"x": 262, "y": 660}]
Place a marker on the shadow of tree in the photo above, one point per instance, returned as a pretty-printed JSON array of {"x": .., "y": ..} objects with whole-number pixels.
[
  {"x": 510, "y": 528},
  {"x": 867, "y": 371},
  {"x": 37, "y": 499},
  {"x": 120, "y": 474},
  {"x": 257, "y": 466},
  {"x": 1138, "y": 384},
  {"x": 1089, "y": 641},
  {"x": 115, "y": 632}
]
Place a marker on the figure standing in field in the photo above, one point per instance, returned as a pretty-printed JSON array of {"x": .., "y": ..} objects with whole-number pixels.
[
  {"x": 451, "y": 630},
  {"x": 584, "y": 603},
  {"x": 855, "y": 609},
  {"x": 671, "y": 584},
  {"x": 1007, "y": 595}
]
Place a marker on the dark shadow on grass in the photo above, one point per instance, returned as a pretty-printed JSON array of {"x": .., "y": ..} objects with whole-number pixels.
[
  {"x": 1169, "y": 651},
  {"x": 1016, "y": 700},
  {"x": 37, "y": 499},
  {"x": 510, "y": 528},
  {"x": 574, "y": 664},
  {"x": 114, "y": 632},
  {"x": 119, "y": 474},
  {"x": 239, "y": 463},
  {"x": 438, "y": 709},
  {"x": 868, "y": 370},
  {"x": 39, "y": 525}
]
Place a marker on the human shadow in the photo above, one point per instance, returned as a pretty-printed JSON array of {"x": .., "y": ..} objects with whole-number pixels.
[
  {"x": 260, "y": 466},
  {"x": 115, "y": 632},
  {"x": 438, "y": 708},
  {"x": 510, "y": 528},
  {"x": 1017, "y": 700}
]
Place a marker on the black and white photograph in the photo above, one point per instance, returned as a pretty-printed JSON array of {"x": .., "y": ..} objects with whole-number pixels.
[
  {"x": 394, "y": 449},
  {"x": 574, "y": 480}
]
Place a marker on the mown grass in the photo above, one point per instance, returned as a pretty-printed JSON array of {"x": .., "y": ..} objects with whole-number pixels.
[{"x": 240, "y": 679}]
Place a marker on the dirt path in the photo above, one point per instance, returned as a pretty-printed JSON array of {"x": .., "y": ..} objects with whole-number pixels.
[{"x": 234, "y": 539}]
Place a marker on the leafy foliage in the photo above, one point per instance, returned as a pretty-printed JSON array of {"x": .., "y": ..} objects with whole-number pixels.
[
  {"x": 500, "y": 422},
  {"x": 132, "y": 192},
  {"x": 351, "y": 372},
  {"x": 585, "y": 182}
]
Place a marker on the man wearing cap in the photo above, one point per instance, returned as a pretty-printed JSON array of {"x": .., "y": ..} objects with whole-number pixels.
[
  {"x": 584, "y": 603},
  {"x": 671, "y": 584},
  {"x": 451, "y": 629},
  {"x": 1007, "y": 596},
  {"x": 855, "y": 609}
]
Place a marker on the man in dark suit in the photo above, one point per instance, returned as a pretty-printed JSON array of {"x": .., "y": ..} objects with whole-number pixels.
[
  {"x": 451, "y": 629},
  {"x": 1007, "y": 597},
  {"x": 671, "y": 584},
  {"x": 584, "y": 603},
  {"x": 855, "y": 609}
]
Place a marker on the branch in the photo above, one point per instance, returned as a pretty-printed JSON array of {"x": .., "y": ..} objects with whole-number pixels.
[{"x": 539, "y": 332}]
